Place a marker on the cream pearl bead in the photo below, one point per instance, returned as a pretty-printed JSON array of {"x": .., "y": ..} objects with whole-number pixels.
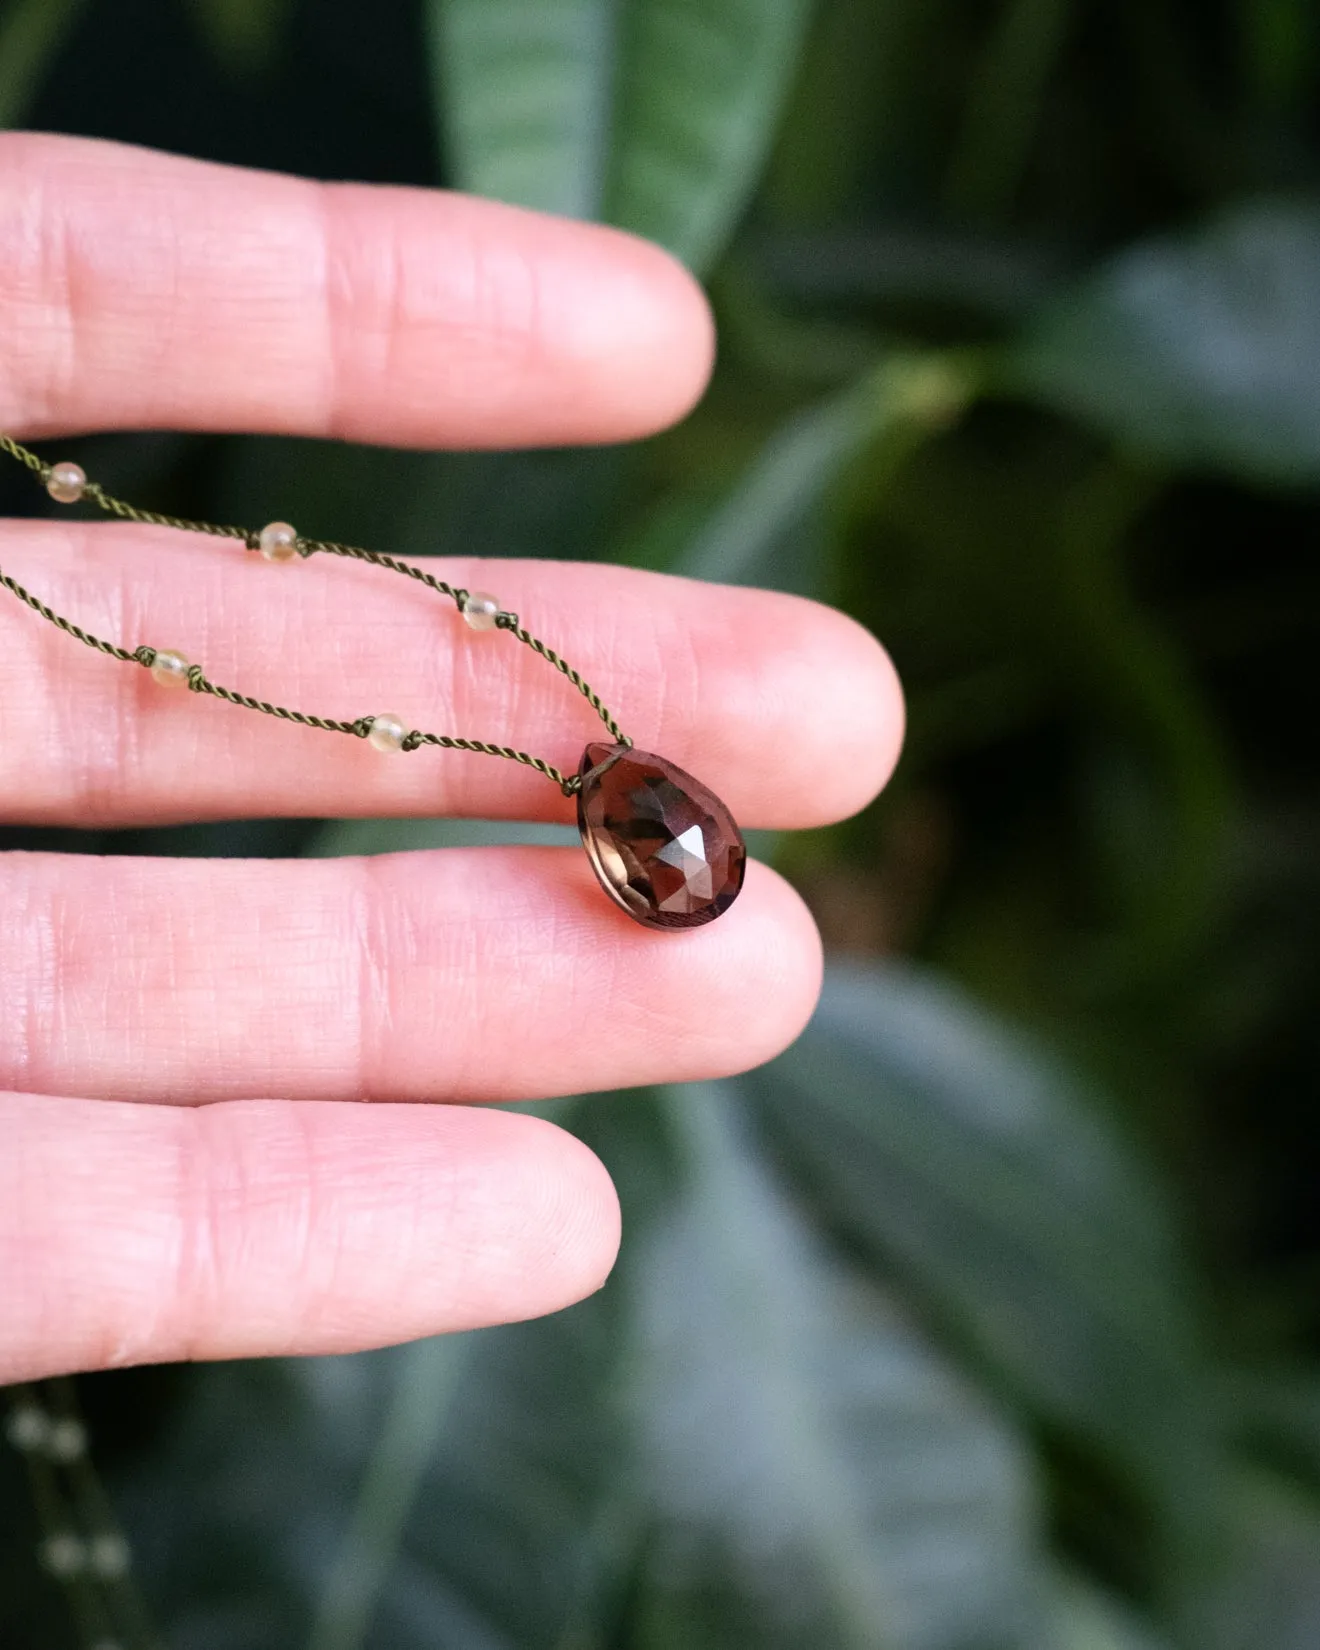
[
  {"x": 388, "y": 732},
  {"x": 480, "y": 609},
  {"x": 65, "y": 482},
  {"x": 67, "y": 1440},
  {"x": 278, "y": 541},
  {"x": 169, "y": 668}
]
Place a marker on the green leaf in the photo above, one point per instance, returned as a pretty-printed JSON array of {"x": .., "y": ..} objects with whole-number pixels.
[
  {"x": 243, "y": 34},
  {"x": 396, "y": 836},
  {"x": 527, "y": 1520},
  {"x": 816, "y": 1476},
  {"x": 769, "y": 528},
  {"x": 1277, "y": 1414},
  {"x": 1081, "y": 1617},
  {"x": 426, "y": 1376},
  {"x": 276, "y": 1444},
  {"x": 31, "y": 33},
  {"x": 550, "y": 503},
  {"x": 968, "y": 1162},
  {"x": 456, "y": 1492},
  {"x": 1005, "y": 106},
  {"x": 1268, "y": 1591},
  {"x": 1278, "y": 43},
  {"x": 1201, "y": 350},
  {"x": 571, "y": 106},
  {"x": 467, "y": 1492},
  {"x": 517, "y": 1531}
]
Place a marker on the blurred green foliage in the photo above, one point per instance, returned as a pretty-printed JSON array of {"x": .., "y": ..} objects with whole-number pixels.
[{"x": 986, "y": 1318}]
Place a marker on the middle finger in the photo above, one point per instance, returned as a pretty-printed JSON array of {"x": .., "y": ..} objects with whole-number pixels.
[{"x": 789, "y": 711}]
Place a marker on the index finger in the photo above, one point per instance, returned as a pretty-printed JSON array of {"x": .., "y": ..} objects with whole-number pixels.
[{"x": 141, "y": 290}]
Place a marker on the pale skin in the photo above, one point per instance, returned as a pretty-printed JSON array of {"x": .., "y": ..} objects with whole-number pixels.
[{"x": 186, "y": 1170}]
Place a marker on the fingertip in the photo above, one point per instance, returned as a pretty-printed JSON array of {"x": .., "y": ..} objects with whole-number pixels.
[
  {"x": 645, "y": 339},
  {"x": 570, "y": 1223},
  {"x": 498, "y": 1218},
  {"x": 756, "y": 975},
  {"x": 508, "y": 327},
  {"x": 781, "y": 985},
  {"x": 871, "y": 721},
  {"x": 264, "y": 1228},
  {"x": 841, "y": 763}
]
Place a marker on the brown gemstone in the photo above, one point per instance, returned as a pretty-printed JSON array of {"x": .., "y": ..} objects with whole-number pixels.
[{"x": 664, "y": 847}]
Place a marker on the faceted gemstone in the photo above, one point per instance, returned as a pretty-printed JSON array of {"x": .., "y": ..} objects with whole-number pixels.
[{"x": 664, "y": 847}]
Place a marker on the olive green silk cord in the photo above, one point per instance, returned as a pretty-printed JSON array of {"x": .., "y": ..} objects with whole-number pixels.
[
  {"x": 81, "y": 1545},
  {"x": 361, "y": 726}
]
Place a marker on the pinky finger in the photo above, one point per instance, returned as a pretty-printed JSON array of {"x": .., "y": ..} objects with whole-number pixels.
[{"x": 141, "y": 1234}]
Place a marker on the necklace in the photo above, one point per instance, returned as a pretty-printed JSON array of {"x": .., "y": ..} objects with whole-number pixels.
[{"x": 663, "y": 847}]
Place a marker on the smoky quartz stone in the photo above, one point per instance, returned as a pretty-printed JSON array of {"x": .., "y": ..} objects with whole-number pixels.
[{"x": 664, "y": 847}]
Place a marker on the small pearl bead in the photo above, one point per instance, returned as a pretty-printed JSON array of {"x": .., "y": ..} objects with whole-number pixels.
[
  {"x": 67, "y": 1440},
  {"x": 27, "y": 1427},
  {"x": 480, "y": 609},
  {"x": 170, "y": 668},
  {"x": 279, "y": 541},
  {"x": 110, "y": 1555},
  {"x": 63, "y": 1554},
  {"x": 66, "y": 482},
  {"x": 388, "y": 732}
]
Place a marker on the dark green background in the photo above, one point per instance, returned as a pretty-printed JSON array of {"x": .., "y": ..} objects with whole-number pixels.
[{"x": 986, "y": 1318}]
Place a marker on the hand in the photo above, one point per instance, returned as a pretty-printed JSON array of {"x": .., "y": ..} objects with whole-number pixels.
[{"x": 138, "y": 1222}]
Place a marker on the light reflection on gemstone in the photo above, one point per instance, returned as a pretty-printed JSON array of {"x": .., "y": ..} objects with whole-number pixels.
[{"x": 664, "y": 847}]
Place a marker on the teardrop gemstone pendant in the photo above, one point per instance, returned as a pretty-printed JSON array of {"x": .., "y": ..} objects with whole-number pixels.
[{"x": 664, "y": 847}]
